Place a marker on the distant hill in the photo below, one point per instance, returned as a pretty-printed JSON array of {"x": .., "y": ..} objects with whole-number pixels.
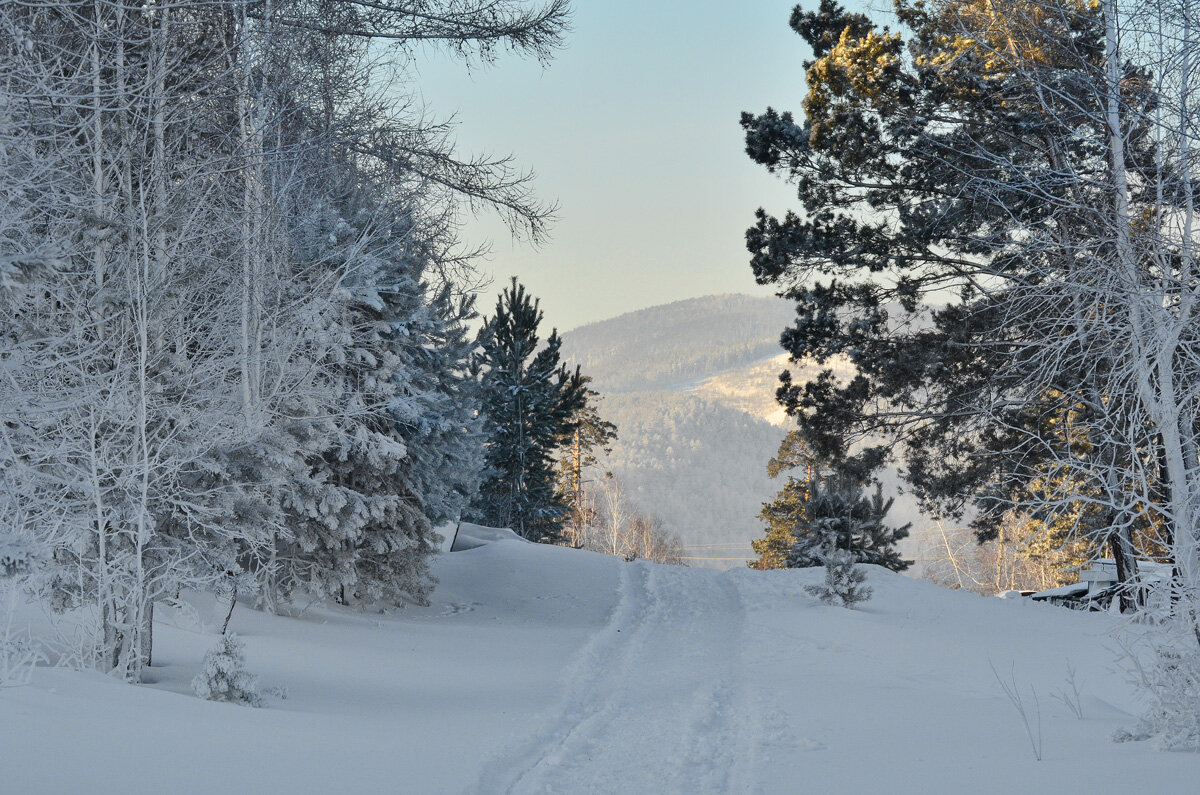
[
  {"x": 691, "y": 388},
  {"x": 671, "y": 346},
  {"x": 696, "y": 464}
]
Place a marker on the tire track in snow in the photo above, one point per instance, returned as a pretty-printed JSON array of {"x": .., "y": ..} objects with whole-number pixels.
[
  {"x": 719, "y": 751},
  {"x": 583, "y": 677},
  {"x": 656, "y": 702}
]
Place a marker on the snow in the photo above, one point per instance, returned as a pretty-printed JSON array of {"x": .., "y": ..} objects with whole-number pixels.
[
  {"x": 1071, "y": 589},
  {"x": 469, "y": 536},
  {"x": 544, "y": 669}
]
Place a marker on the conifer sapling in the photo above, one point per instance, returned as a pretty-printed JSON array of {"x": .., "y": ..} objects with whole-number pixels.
[
  {"x": 225, "y": 678},
  {"x": 843, "y": 580}
]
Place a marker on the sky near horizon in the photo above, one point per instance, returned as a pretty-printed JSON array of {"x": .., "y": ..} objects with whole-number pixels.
[{"x": 633, "y": 130}]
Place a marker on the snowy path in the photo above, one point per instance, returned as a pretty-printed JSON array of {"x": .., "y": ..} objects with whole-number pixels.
[{"x": 661, "y": 682}]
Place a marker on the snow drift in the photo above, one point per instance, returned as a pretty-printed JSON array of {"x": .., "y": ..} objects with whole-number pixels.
[{"x": 543, "y": 669}]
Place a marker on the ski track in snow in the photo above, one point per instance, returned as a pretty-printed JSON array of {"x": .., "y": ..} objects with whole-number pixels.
[{"x": 654, "y": 702}]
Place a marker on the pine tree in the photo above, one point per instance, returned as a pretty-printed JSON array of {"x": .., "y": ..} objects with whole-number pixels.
[
  {"x": 962, "y": 157},
  {"x": 843, "y": 584},
  {"x": 788, "y": 510},
  {"x": 878, "y": 539},
  {"x": 528, "y": 401},
  {"x": 838, "y": 516}
]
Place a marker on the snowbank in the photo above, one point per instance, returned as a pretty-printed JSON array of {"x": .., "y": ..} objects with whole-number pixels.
[
  {"x": 469, "y": 536},
  {"x": 542, "y": 669}
]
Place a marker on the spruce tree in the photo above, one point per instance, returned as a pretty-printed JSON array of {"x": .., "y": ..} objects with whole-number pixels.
[
  {"x": 358, "y": 529},
  {"x": 437, "y": 403},
  {"x": 844, "y": 580},
  {"x": 528, "y": 399},
  {"x": 224, "y": 676}
]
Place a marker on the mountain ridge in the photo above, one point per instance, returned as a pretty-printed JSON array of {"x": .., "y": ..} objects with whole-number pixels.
[{"x": 670, "y": 346}]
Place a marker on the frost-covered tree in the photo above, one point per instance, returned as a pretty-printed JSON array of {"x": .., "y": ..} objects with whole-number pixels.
[
  {"x": 437, "y": 405},
  {"x": 355, "y": 524},
  {"x": 221, "y": 249},
  {"x": 838, "y": 515},
  {"x": 117, "y": 350},
  {"x": 405, "y": 453},
  {"x": 224, "y": 676},
  {"x": 844, "y": 580},
  {"x": 529, "y": 399},
  {"x": 616, "y": 526}
]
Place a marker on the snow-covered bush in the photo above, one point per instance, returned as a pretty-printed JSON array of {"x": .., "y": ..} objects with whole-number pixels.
[
  {"x": 225, "y": 678},
  {"x": 1171, "y": 683},
  {"x": 16, "y": 555},
  {"x": 843, "y": 580}
]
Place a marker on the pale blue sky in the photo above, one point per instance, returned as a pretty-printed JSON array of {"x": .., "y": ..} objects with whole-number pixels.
[{"x": 633, "y": 130}]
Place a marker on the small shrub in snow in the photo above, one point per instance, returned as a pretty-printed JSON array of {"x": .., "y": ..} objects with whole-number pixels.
[
  {"x": 15, "y": 556},
  {"x": 1069, "y": 695},
  {"x": 18, "y": 657},
  {"x": 1172, "y": 684},
  {"x": 843, "y": 580},
  {"x": 224, "y": 677},
  {"x": 1032, "y": 723}
]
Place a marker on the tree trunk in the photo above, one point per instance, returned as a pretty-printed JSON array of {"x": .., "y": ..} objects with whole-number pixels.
[
  {"x": 1127, "y": 573},
  {"x": 229, "y": 613}
]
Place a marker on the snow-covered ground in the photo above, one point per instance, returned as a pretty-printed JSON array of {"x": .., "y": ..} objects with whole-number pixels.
[{"x": 542, "y": 669}]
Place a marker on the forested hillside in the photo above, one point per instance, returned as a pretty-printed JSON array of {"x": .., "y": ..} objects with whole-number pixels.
[
  {"x": 666, "y": 347},
  {"x": 697, "y": 465},
  {"x": 691, "y": 388}
]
